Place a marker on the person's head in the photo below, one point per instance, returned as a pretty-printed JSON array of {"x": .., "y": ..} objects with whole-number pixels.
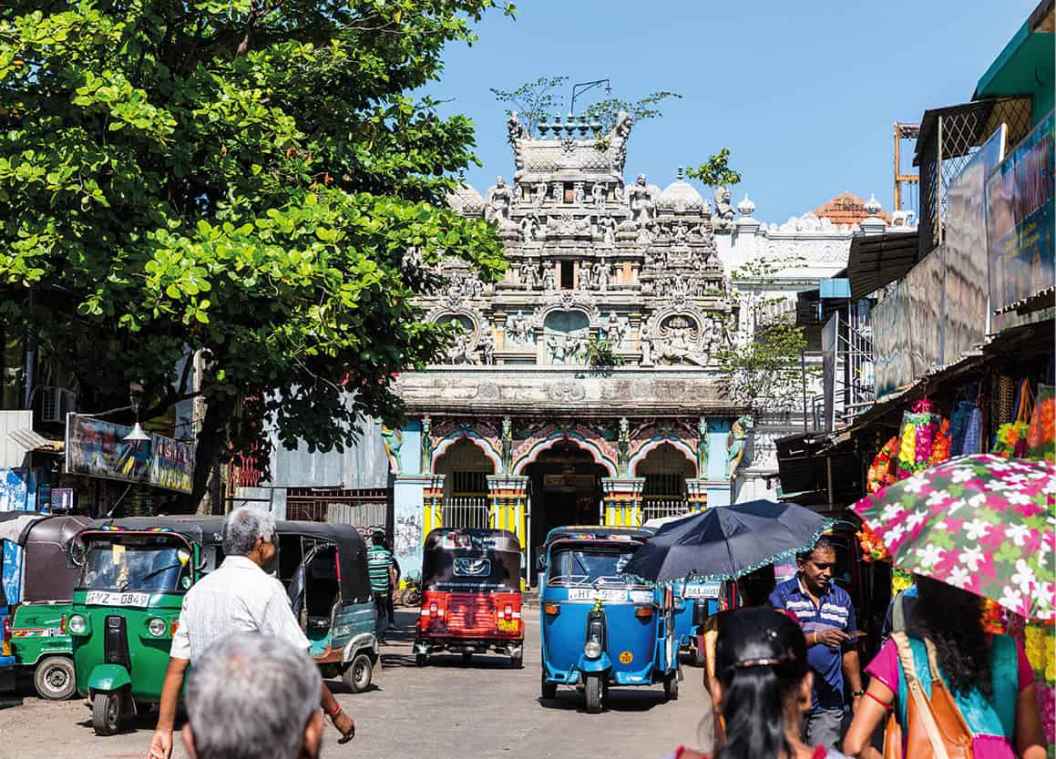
[
  {"x": 764, "y": 681},
  {"x": 756, "y": 586},
  {"x": 953, "y": 620},
  {"x": 250, "y": 533},
  {"x": 817, "y": 565},
  {"x": 253, "y": 696},
  {"x": 378, "y": 538}
]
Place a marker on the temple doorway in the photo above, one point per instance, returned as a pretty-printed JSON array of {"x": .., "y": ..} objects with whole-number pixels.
[
  {"x": 665, "y": 470},
  {"x": 466, "y": 471},
  {"x": 564, "y": 488}
]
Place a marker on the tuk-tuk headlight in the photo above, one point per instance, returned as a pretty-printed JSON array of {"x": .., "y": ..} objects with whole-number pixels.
[
  {"x": 156, "y": 627},
  {"x": 592, "y": 649},
  {"x": 595, "y": 638},
  {"x": 77, "y": 625}
]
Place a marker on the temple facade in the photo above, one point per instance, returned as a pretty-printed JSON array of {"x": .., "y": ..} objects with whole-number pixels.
[{"x": 583, "y": 388}]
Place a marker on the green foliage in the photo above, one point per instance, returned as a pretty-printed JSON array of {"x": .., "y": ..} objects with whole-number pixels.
[
  {"x": 765, "y": 375},
  {"x": 236, "y": 177},
  {"x": 716, "y": 171},
  {"x": 539, "y": 101},
  {"x": 600, "y": 354}
]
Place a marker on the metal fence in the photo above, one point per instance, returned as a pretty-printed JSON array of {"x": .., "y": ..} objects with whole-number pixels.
[
  {"x": 358, "y": 508},
  {"x": 949, "y": 137},
  {"x": 658, "y": 508},
  {"x": 465, "y": 511}
]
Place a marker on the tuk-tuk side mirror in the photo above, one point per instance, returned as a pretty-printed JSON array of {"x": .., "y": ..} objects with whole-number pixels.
[
  {"x": 700, "y": 613},
  {"x": 76, "y": 551}
]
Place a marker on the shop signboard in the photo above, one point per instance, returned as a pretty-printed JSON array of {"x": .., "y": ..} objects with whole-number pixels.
[
  {"x": 1019, "y": 199},
  {"x": 966, "y": 287},
  {"x": 97, "y": 448}
]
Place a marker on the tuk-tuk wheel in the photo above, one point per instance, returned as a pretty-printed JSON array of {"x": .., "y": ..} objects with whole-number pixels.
[
  {"x": 697, "y": 657},
  {"x": 671, "y": 686},
  {"x": 55, "y": 678},
  {"x": 421, "y": 659},
  {"x": 359, "y": 673},
  {"x": 106, "y": 713},
  {"x": 593, "y": 689},
  {"x": 548, "y": 690}
]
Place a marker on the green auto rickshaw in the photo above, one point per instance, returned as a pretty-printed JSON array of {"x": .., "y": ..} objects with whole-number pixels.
[
  {"x": 40, "y": 638},
  {"x": 136, "y": 571}
]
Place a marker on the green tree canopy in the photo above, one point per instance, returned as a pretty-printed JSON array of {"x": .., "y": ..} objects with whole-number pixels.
[
  {"x": 244, "y": 178},
  {"x": 716, "y": 171}
]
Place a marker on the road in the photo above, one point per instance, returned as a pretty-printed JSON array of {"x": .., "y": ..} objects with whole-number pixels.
[{"x": 443, "y": 711}]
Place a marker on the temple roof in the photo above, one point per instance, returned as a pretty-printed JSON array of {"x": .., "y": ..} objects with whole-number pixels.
[{"x": 846, "y": 208}]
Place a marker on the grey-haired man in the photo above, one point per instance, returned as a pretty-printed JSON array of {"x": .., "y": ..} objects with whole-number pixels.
[
  {"x": 252, "y": 696},
  {"x": 238, "y": 597}
]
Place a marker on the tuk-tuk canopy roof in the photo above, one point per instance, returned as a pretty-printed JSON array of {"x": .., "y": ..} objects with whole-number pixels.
[
  {"x": 447, "y": 539},
  {"x": 596, "y": 532},
  {"x": 196, "y": 529},
  {"x": 49, "y": 574}
]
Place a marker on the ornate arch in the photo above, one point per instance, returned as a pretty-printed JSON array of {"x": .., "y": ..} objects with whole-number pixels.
[
  {"x": 549, "y": 442},
  {"x": 650, "y": 445},
  {"x": 476, "y": 439},
  {"x": 474, "y": 316}
]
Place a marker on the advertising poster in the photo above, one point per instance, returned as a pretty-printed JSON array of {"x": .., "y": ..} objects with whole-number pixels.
[
  {"x": 98, "y": 449},
  {"x": 1019, "y": 198}
]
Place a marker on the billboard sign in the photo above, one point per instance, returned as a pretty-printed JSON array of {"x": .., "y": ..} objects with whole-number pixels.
[{"x": 98, "y": 449}]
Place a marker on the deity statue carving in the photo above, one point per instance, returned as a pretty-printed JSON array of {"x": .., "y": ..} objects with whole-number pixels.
[
  {"x": 563, "y": 348},
  {"x": 530, "y": 227},
  {"x": 623, "y": 447},
  {"x": 515, "y": 129},
  {"x": 529, "y": 274},
  {"x": 579, "y": 195},
  {"x": 558, "y": 192},
  {"x": 549, "y": 276},
  {"x": 737, "y": 443},
  {"x": 487, "y": 346},
  {"x": 602, "y": 276},
  {"x": 597, "y": 194},
  {"x": 427, "y": 444},
  {"x": 640, "y": 198},
  {"x": 586, "y": 276},
  {"x": 507, "y": 444},
  {"x": 607, "y": 225},
  {"x": 614, "y": 329},
  {"x": 499, "y": 203},
  {"x": 461, "y": 350},
  {"x": 722, "y": 218},
  {"x": 702, "y": 447},
  {"x": 679, "y": 233},
  {"x": 540, "y": 193},
  {"x": 518, "y": 329}
]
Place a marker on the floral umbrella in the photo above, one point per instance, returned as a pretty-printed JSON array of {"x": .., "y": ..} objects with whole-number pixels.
[{"x": 982, "y": 523}]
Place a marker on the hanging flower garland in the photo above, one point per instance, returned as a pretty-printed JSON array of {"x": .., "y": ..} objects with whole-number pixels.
[
  {"x": 873, "y": 548},
  {"x": 881, "y": 472}
]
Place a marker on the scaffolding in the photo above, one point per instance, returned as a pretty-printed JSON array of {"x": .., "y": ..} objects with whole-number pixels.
[
  {"x": 906, "y": 183},
  {"x": 847, "y": 350}
]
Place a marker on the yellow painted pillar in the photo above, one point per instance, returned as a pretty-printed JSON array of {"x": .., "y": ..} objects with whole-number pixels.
[
  {"x": 622, "y": 501},
  {"x": 697, "y": 494},
  {"x": 433, "y": 505}
]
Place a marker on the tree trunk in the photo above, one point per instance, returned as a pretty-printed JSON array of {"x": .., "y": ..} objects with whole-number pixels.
[{"x": 210, "y": 446}]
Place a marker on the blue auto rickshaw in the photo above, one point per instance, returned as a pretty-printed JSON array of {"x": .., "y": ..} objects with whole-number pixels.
[
  {"x": 690, "y": 594},
  {"x": 601, "y": 627}
]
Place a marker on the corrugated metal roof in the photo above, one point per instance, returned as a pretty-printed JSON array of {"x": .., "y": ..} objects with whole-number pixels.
[
  {"x": 876, "y": 260},
  {"x": 359, "y": 467}
]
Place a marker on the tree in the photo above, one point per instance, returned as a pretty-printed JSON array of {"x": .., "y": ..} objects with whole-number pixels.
[
  {"x": 244, "y": 178},
  {"x": 538, "y": 101},
  {"x": 716, "y": 171}
]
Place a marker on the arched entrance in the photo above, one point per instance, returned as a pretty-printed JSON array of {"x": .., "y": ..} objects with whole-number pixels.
[
  {"x": 465, "y": 468},
  {"x": 665, "y": 469},
  {"x": 565, "y": 488}
]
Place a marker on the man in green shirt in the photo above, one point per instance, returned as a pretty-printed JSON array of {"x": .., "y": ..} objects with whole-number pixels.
[{"x": 381, "y": 569}]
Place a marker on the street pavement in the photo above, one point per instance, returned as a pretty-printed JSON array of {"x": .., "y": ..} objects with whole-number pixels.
[{"x": 443, "y": 711}]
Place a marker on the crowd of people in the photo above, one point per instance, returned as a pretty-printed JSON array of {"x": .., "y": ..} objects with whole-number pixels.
[{"x": 777, "y": 672}]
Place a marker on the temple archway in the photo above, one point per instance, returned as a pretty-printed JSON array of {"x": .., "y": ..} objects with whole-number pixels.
[
  {"x": 665, "y": 469},
  {"x": 564, "y": 488},
  {"x": 465, "y": 466}
]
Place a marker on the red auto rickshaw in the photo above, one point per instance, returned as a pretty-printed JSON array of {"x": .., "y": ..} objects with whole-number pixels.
[{"x": 471, "y": 595}]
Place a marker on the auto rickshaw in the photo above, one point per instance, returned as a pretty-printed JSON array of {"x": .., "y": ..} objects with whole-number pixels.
[
  {"x": 40, "y": 640},
  {"x": 135, "y": 572},
  {"x": 471, "y": 597},
  {"x": 689, "y": 595},
  {"x": 601, "y": 627}
]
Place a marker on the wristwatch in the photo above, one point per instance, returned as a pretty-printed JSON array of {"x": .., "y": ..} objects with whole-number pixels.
[{"x": 857, "y": 693}]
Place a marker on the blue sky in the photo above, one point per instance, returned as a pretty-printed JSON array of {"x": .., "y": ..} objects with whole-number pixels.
[{"x": 803, "y": 93}]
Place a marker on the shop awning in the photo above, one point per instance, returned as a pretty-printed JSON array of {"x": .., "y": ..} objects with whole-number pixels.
[
  {"x": 876, "y": 260},
  {"x": 34, "y": 442},
  {"x": 969, "y": 125}
]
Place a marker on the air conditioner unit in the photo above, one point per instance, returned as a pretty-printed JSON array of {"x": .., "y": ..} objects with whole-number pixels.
[{"x": 56, "y": 402}]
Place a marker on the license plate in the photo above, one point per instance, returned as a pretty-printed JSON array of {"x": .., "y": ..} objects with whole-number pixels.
[
  {"x": 707, "y": 590},
  {"x": 113, "y": 598},
  {"x": 507, "y": 625},
  {"x": 590, "y": 594}
]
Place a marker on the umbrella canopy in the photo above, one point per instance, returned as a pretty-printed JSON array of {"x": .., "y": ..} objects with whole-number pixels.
[
  {"x": 982, "y": 523},
  {"x": 727, "y": 542}
]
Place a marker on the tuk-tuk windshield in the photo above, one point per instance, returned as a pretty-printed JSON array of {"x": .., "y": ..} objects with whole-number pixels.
[
  {"x": 589, "y": 565},
  {"x": 136, "y": 563}
]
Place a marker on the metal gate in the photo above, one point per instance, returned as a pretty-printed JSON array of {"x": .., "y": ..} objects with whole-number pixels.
[{"x": 358, "y": 508}]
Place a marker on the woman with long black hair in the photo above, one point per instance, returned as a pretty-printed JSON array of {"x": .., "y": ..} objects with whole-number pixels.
[
  {"x": 764, "y": 688},
  {"x": 988, "y": 676}
]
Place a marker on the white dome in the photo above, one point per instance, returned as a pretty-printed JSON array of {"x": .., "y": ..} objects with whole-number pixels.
[
  {"x": 465, "y": 197},
  {"x": 680, "y": 196}
]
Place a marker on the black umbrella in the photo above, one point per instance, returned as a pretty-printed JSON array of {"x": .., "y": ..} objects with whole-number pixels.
[{"x": 726, "y": 542}]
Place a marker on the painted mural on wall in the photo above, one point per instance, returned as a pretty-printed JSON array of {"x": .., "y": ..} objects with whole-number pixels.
[
  {"x": 407, "y": 539},
  {"x": 98, "y": 449},
  {"x": 18, "y": 491}
]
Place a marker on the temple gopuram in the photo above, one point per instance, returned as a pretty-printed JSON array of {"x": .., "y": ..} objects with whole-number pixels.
[{"x": 583, "y": 388}]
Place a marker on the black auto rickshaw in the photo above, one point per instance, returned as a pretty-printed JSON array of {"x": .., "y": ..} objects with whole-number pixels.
[
  {"x": 40, "y": 640},
  {"x": 471, "y": 595}
]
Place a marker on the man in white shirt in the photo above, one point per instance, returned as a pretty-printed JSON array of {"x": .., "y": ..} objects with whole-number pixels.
[{"x": 238, "y": 597}]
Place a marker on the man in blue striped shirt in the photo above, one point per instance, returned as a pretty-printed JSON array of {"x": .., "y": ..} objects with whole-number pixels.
[
  {"x": 826, "y": 614},
  {"x": 380, "y": 569}
]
